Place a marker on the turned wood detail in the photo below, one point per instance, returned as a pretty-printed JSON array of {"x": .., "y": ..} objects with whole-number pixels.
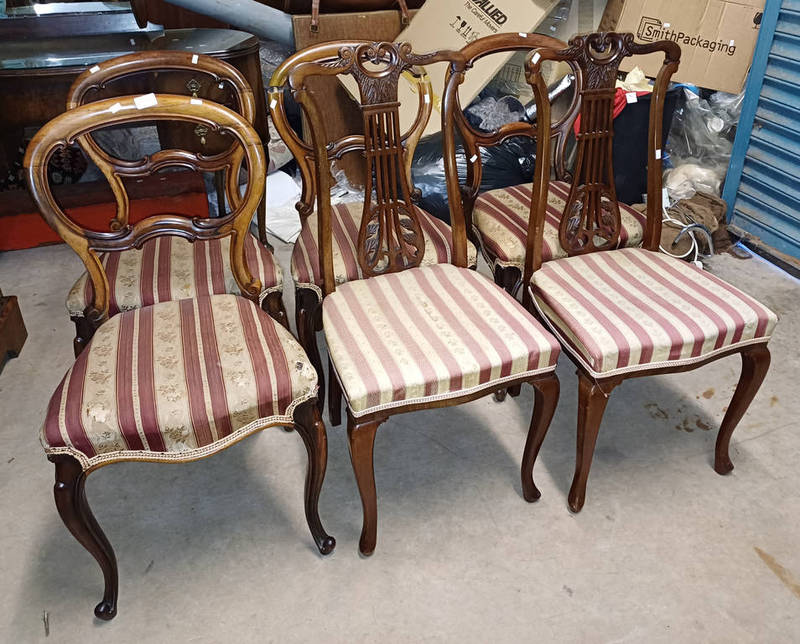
[
  {"x": 87, "y": 243},
  {"x": 98, "y": 82}
]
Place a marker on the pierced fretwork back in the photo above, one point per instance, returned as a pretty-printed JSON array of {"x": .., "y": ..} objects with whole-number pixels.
[
  {"x": 591, "y": 217},
  {"x": 390, "y": 235}
]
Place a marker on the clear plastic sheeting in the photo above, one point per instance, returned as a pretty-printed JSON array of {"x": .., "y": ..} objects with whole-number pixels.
[{"x": 700, "y": 143}]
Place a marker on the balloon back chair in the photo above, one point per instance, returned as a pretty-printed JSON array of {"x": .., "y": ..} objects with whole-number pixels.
[
  {"x": 626, "y": 312},
  {"x": 498, "y": 219},
  {"x": 410, "y": 335},
  {"x": 178, "y": 380},
  {"x": 181, "y": 269},
  {"x": 348, "y": 236}
]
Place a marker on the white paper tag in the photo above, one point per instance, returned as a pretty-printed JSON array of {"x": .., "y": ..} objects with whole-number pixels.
[
  {"x": 731, "y": 43},
  {"x": 658, "y": 153},
  {"x": 194, "y": 59},
  {"x": 427, "y": 98},
  {"x": 522, "y": 34},
  {"x": 664, "y": 197},
  {"x": 195, "y": 101},
  {"x": 535, "y": 58},
  {"x": 273, "y": 103},
  {"x": 631, "y": 97},
  {"x": 473, "y": 158},
  {"x": 145, "y": 100},
  {"x": 667, "y": 25},
  {"x": 94, "y": 69},
  {"x": 116, "y": 107}
]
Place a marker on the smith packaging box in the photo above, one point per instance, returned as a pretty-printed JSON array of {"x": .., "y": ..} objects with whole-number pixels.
[{"x": 717, "y": 37}]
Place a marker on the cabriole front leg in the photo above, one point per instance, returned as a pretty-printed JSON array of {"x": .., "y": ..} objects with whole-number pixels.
[
  {"x": 755, "y": 363},
  {"x": 361, "y": 440},
  {"x": 308, "y": 423},
  {"x": 71, "y": 502},
  {"x": 546, "y": 392}
]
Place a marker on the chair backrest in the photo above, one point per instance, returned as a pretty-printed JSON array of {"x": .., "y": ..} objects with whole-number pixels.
[
  {"x": 165, "y": 72},
  {"x": 474, "y": 140},
  {"x": 591, "y": 217},
  {"x": 83, "y": 121},
  {"x": 390, "y": 237}
]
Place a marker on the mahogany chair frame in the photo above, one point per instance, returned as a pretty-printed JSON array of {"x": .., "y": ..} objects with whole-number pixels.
[
  {"x": 96, "y": 82},
  {"x": 595, "y": 59},
  {"x": 378, "y": 89},
  {"x": 70, "y": 472},
  {"x": 474, "y": 140},
  {"x": 308, "y": 309}
]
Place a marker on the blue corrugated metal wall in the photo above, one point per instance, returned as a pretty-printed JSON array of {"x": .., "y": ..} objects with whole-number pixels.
[{"x": 763, "y": 183}]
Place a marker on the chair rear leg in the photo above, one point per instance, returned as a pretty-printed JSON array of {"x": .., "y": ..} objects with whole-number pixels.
[
  {"x": 309, "y": 425},
  {"x": 84, "y": 330},
  {"x": 507, "y": 278},
  {"x": 755, "y": 363},
  {"x": 545, "y": 400},
  {"x": 361, "y": 440},
  {"x": 334, "y": 397},
  {"x": 71, "y": 502},
  {"x": 273, "y": 306},
  {"x": 592, "y": 402},
  {"x": 307, "y": 309}
]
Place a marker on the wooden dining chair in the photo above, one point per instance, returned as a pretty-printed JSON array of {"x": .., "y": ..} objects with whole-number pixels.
[
  {"x": 627, "y": 312},
  {"x": 347, "y": 238},
  {"x": 409, "y": 335},
  {"x": 177, "y": 380},
  {"x": 172, "y": 268},
  {"x": 498, "y": 219}
]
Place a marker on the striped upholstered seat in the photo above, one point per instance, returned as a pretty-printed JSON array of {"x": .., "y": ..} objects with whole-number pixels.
[
  {"x": 177, "y": 381},
  {"x": 500, "y": 219},
  {"x": 346, "y": 219},
  {"x": 625, "y": 310},
  {"x": 429, "y": 333},
  {"x": 170, "y": 268}
]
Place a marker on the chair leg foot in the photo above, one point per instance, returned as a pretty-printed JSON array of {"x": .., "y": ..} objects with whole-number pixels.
[
  {"x": 273, "y": 306},
  {"x": 544, "y": 405},
  {"x": 592, "y": 402},
  {"x": 361, "y": 439},
  {"x": 334, "y": 397},
  {"x": 309, "y": 425},
  {"x": 70, "y": 497},
  {"x": 755, "y": 363}
]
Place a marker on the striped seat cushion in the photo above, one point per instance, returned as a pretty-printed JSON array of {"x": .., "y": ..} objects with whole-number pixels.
[
  {"x": 346, "y": 219},
  {"x": 500, "y": 219},
  {"x": 429, "y": 333},
  {"x": 631, "y": 309},
  {"x": 177, "y": 381},
  {"x": 170, "y": 268}
]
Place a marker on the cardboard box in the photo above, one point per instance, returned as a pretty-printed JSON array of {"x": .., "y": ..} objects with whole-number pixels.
[
  {"x": 451, "y": 24},
  {"x": 717, "y": 37}
]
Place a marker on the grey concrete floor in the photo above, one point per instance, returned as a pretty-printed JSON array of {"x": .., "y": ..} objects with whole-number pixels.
[{"x": 217, "y": 551}]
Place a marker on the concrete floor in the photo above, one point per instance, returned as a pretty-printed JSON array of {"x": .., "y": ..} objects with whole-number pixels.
[{"x": 216, "y": 551}]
